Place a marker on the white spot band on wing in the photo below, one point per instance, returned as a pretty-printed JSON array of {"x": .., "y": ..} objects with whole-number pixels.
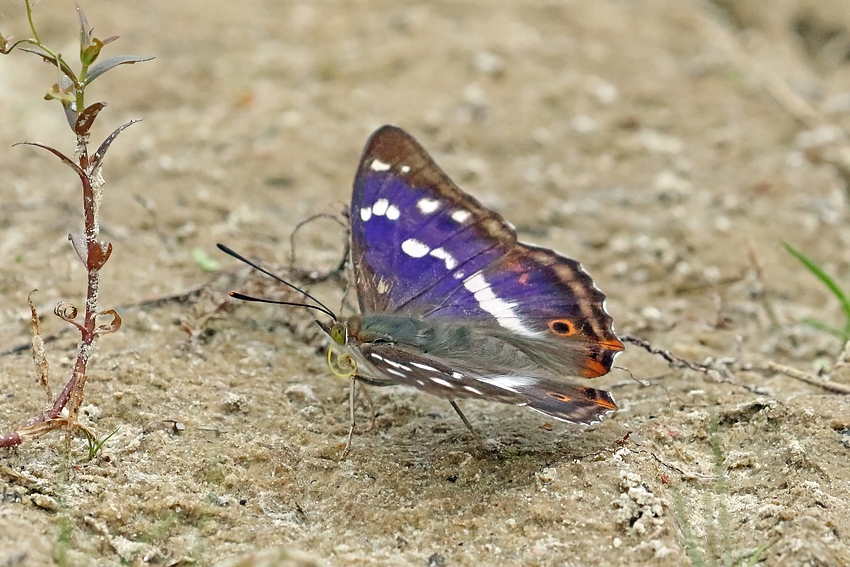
[
  {"x": 510, "y": 383},
  {"x": 424, "y": 367},
  {"x": 378, "y": 165},
  {"x": 427, "y": 206},
  {"x": 447, "y": 258},
  {"x": 380, "y": 207},
  {"x": 414, "y": 248},
  {"x": 393, "y": 213},
  {"x": 365, "y": 213},
  {"x": 398, "y": 365},
  {"x": 502, "y": 310},
  {"x": 444, "y": 383},
  {"x": 460, "y": 216}
]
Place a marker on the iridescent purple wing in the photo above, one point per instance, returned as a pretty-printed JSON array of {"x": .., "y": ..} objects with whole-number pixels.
[
  {"x": 413, "y": 232},
  {"x": 423, "y": 247}
]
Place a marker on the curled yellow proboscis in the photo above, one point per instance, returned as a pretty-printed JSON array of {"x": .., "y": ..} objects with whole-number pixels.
[{"x": 342, "y": 365}]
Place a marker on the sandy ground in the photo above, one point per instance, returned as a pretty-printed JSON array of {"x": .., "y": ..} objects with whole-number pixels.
[{"x": 639, "y": 137}]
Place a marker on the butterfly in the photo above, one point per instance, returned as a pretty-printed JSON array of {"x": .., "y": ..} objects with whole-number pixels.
[{"x": 453, "y": 305}]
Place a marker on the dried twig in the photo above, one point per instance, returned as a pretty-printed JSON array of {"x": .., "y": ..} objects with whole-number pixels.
[
  {"x": 799, "y": 375},
  {"x": 673, "y": 359}
]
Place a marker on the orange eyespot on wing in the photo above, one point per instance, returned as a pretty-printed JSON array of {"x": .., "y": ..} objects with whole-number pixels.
[
  {"x": 558, "y": 396},
  {"x": 562, "y": 327}
]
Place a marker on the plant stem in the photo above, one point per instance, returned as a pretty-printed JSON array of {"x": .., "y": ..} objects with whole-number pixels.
[{"x": 32, "y": 24}]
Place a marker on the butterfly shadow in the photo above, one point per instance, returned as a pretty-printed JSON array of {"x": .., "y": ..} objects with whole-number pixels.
[{"x": 406, "y": 432}]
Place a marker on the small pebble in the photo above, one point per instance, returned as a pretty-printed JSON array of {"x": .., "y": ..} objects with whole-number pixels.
[{"x": 45, "y": 502}]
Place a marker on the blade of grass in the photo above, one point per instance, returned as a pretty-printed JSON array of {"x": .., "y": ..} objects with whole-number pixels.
[
  {"x": 827, "y": 280},
  {"x": 834, "y": 331}
]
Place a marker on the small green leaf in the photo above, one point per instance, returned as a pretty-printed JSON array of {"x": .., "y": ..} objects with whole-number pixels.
[
  {"x": 204, "y": 261},
  {"x": 99, "y": 69},
  {"x": 52, "y": 59},
  {"x": 85, "y": 28}
]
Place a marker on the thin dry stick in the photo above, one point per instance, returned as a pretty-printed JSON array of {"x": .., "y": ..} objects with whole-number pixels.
[
  {"x": 841, "y": 361},
  {"x": 42, "y": 368},
  {"x": 313, "y": 277},
  {"x": 800, "y": 375},
  {"x": 676, "y": 361},
  {"x": 680, "y": 362}
]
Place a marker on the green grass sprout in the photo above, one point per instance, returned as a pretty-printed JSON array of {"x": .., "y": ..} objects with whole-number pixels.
[
  {"x": 205, "y": 261},
  {"x": 834, "y": 288},
  {"x": 95, "y": 444}
]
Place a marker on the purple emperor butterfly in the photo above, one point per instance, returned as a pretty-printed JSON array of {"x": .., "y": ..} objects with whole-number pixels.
[{"x": 453, "y": 305}]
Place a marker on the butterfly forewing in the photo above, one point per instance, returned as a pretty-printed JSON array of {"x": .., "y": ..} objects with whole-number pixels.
[
  {"x": 423, "y": 247},
  {"x": 414, "y": 233}
]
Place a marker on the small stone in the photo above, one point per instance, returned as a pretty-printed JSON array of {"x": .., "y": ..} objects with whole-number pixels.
[
  {"x": 44, "y": 501},
  {"x": 234, "y": 403},
  {"x": 657, "y": 143},
  {"x": 652, "y": 313},
  {"x": 488, "y": 63},
  {"x": 668, "y": 182},
  {"x": 301, "y": 393},
  {"x": 474, "y": 94},
  {"x": 605, "y": 92},
  {"x": 722, "y": 224},
  {"x": 547, "y": 475},
  {"x": 584, "y": 124}
]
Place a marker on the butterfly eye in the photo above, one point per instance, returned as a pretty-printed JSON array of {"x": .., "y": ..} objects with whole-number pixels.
[
  {"x": 563, "y": 327},
  {"x": 338, "y": 334}
]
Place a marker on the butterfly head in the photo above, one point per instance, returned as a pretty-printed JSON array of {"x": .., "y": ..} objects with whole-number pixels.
[
  {"x": 337, "y": 331},
  {"x": 340, "y": 359}
]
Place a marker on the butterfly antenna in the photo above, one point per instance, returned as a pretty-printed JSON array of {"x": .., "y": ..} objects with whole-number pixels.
[
  {"x": 243, "y": 297},
  {"x": 319, "y": 307}
]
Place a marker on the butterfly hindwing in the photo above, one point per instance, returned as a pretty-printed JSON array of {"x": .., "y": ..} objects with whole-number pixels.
[{"x": 548, "y": 395}]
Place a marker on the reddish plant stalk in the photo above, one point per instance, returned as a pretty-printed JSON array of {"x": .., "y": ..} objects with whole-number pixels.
[
  {"x": 70, "y": 91},
  {"x": 72, "y": 394}
]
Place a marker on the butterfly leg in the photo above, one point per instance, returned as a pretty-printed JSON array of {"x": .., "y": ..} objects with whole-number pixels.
[
  {"x": 463, "y": 417},
  {"x": 351, "y": 396}
]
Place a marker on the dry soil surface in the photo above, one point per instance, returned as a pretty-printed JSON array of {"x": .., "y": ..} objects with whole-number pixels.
[{"x": 671, "y": 146}]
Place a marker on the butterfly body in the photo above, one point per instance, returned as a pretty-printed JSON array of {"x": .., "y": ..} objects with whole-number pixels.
[{"x": 452, "y": 304}]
